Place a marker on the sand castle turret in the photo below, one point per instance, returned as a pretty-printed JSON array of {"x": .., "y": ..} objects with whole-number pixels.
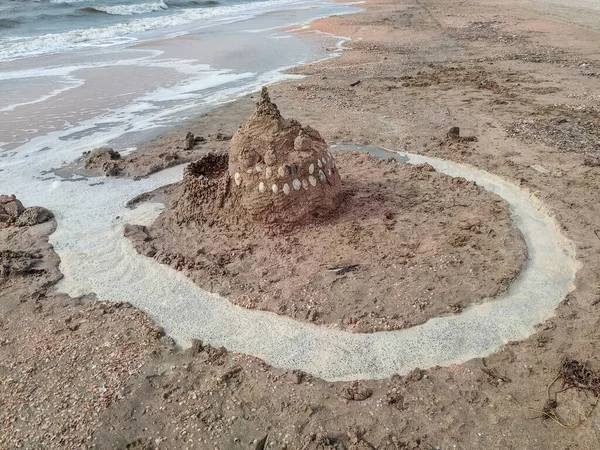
[
  {"x": 281, "y": 170},
  {"x": 277, "y": 171}
]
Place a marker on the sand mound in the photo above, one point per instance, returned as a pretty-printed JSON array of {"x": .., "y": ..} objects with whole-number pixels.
[
  {"x": 405, "y": 244},
  {"x": 12, "y": 212},
  {"x": 277, "y": 172}
]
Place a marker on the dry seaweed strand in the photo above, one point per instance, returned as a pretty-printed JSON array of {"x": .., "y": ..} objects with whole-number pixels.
[{"x": 574, "y": 375}]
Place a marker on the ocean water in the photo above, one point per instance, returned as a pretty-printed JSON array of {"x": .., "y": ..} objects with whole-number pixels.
[{"x": 38, "y": 27}]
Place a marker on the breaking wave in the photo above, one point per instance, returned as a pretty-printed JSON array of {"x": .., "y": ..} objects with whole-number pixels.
[{"x": 128, "y": 10}]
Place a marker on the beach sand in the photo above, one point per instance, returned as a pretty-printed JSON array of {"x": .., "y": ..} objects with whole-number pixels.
[{"x": 523, "y": 79}]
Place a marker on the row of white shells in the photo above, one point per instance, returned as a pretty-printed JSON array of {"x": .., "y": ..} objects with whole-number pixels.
[
  {"x": 296, "y": 184},
  {"x": 281, "y": 171}
]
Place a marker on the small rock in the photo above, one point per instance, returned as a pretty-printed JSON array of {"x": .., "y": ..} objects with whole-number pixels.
[
  {"x": 222, "y": 137},
  {"x": 355, "y": 391},
  {"x": 453, "y": 133},
  {"x": 189, "y": 141},
  {"x": 10, "y": 209}
]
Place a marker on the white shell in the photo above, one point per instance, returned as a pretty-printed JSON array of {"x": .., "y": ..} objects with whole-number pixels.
[
  {"x": 321, "y": 175},
  {"x": 319, "y": 163},
  {"x": 274, "y": 188},
  {"x": 281, "y": 171},
  {"x": 297, "y": 184},
  {"x": 249, "y": 170},
  {"x": 305, "y": 184},
  {"x": 238, "y": 179},
  {"x": 311, "y": 169},
  {"x": 312, "y": 180},
  {"x": 261, "y": 187},
  {"x": 268, "y": 172},
  {"x": 258, "y": 169},
  {"x": 329, "y": 172},
  {"x": 286, "y": 189}
]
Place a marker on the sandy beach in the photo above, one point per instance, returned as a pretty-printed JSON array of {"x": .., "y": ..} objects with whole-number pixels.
[{"x": 521, "y": 81}]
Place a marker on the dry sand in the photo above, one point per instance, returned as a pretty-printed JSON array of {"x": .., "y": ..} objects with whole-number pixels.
[{"x": 523, "y": 78}]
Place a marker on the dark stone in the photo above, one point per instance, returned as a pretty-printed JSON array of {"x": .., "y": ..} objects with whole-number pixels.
[{"x": 189, "y": 141}]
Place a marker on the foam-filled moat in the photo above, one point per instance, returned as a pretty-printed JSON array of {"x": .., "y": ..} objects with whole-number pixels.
[{"x": 354, "y": 242}]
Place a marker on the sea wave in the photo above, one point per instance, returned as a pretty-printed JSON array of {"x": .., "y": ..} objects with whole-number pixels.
[
  {"x": 191, "y": 3},
  {"x": 119, "y": 33},
  {"x": 128, "y": 10},
  {"x": 9, "y": 23}
]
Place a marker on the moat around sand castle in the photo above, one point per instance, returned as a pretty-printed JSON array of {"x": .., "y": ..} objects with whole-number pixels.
[{"x": 370, "y": 245}]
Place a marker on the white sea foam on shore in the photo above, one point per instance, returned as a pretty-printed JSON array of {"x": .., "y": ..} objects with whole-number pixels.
[{"x": 128, "y": 10}]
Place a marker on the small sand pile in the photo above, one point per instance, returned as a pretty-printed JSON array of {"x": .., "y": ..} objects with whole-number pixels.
[
  {"x": 13, "y": 213},
  {"x": 103, "y": 159},
  {"x": 277, "y": 172}
]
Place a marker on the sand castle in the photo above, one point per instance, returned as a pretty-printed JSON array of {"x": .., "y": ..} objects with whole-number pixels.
[{"x": 277, "y": 171}]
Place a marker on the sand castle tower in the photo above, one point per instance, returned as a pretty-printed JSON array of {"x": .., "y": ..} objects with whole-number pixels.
[
  {"x": 276, "y": 172},
  {"x": 281, "y": 171}
]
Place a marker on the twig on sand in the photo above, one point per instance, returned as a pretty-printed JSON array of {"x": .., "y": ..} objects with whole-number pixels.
[
  {"x": 343, "y": 269},
  {"x": 493, "y": 373},
  {"x": 597, "y": 233}
]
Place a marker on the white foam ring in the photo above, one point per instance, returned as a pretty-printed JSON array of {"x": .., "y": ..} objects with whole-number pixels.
[{"x": 104, "y": 262}]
